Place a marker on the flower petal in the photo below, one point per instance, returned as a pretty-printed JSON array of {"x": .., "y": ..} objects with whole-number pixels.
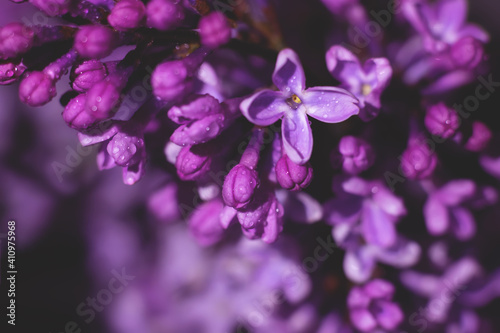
[
  {"x": 358, "y": 265},
  {"x": 456, "y": 191},
  {"x": 379, "y": 71},
  {"x": 363, "y": 320},
  {"x": 297, "y": 136},
  {"x": 330, "y": 104},
  {"x": 344, "y": 66},
  {"x": 436, "y": 216},
  {"x": 377, "y": 227},
  {"x": 404, "y": 253},
  {"x": 389, "y": 315},
  {"x": 464, "y": 225},
  {"x": 264, "y": 107},
  {"x": 288, "y": 74}
]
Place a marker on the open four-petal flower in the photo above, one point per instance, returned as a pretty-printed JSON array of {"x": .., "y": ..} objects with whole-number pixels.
[
  {"x": 293, "y": 103},
  {"x": 367, "y": 82}
]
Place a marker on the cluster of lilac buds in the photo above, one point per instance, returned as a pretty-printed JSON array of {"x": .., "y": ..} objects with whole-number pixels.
[{"x": 348, "y": 202}]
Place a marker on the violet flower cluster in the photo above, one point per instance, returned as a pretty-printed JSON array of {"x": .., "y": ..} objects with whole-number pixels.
[{"x": 297, "y": 177}]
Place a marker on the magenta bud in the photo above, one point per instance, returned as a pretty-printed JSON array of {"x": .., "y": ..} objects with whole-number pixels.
[
  {"x": 239, "y": 186},
  {"x": 441, "y": 120},
  {"x": 481, "y": 136},
  {"x": 172, "y": 80},
  {"x": 52, "y": 7},
  {"x": 354, "y": 155},
  {"x": 88, "y": 73},
  {"x": 196, "y": 107},
  {"x": 292, "y": 176},
  {"x": 74, "y": 113},
  {"x": 102, "y": 99},
  {"x": 126, "y": 149},
  {"x": 204, "y": 223},
  {"x": 191, "y": 166},
  {"x": 15, "y": 39},
  {"x": 164, "y": 14},
  {"x": 418, "y": 161},
  {"x": 467, "y": 52},
  {"x": 214, "y": 30},
  {"x": 95, "y": 41},
  {"x": 127, "y": 14},
  {"x": 199, "y": 131},
  {"x": 37, "y": 89},
  {"x": 10, "y": 73}
]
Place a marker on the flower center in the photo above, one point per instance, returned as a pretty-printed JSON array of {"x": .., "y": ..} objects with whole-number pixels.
[
  {"x": 366, "y": 89},
  {"x": 294, "y": 102}
]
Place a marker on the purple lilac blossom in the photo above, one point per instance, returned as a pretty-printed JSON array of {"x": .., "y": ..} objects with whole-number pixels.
[
  {"x": 293, "y": 103},
  {"x": 225, "y": 229}
]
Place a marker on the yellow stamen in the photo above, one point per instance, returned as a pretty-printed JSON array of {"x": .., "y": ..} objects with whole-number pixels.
[
  {"x": 296, "y": 99},
  {"x": 366, "y": 89}
]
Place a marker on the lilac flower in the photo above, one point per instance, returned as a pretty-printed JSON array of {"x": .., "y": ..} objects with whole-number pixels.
[
  {"x": 38, "y": 88},
  {"x": 75, "y": 114},
  {"x": 214, "y": 30},
  {"x": 354, "y": 155},
  {"x": 368, "y": 204},
  {"x": 127, "y": 14},
  {"x": 443, "y": 210},
  {"x": 202, "y": 118},
  {"x": 371, "y": 306},
  {"x": 88, "y": 73},
  {"x": 418, "y": 161},
  {"x": 173, "y": 80},
  {"x": 441, "y": 120},
  {"x": 192, "y": 165},
  {"x": 441, "y": 23},
  {"x": 239, "y": 186},
  {"x": 293, "y": 103},
  {"x": 164, "y": 14},
  {"x": 204, "y": 223},
  {"x": 480, "y": 137},
  {"x": 291, "y": 176},
  {"x": 367, "y": 82},
  {"x": 15, "y": 39},
  {"x": 95, "y": 42}
]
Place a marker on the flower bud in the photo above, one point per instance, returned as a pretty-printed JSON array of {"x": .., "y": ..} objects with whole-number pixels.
[
  {"x": 37, "y": 89},
  {"x": 467, "y": 53},
  {"x": 481, "y": 136},
  {"x": 292, "y": 176},
  {"x": 205, "y": 224},
  {"x": 15, "y": 39},
  {"x": 354, "y": 155},
  {"x": 74, "y": 113},
  {"x": 239, "y": 186},
  {"x": 199, "y": 131},
  {"x": 164, "y": 14},
  {"x": 126, "y": 149},
  {"x": 172, "y": 80},
  {"x": 441, "y": 120},
  {"x": 418, "y": 161},
  {"x": 196, "y": 107},
  {"x": 191, "y": 166},
  {"x": 127, "y": 14},
  {"x": 85, "y": 75},
  {"x": 10, "y": 73},
  {"x": 95, "y": 41},
  {"x": 52, "y": 7},
  {"x": 103, "y": 98},
  {"x": 214, "y": 30}
]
